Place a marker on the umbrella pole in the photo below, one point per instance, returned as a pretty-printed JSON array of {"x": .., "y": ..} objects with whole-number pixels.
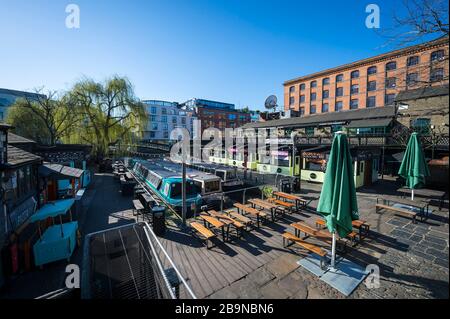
[{"x": 333, "y": 251}]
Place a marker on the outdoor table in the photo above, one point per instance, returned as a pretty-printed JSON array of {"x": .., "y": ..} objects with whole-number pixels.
[
  {"x": 408, "y": 204},
  {"x": 424, "y": 192},
  {"x": 299, "y": 202},
  {"x": 265, "y": 205},
  {"x": 217, "y": 224}
]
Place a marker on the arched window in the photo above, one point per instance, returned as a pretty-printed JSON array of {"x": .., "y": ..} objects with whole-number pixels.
[
  {"x": 314, "y": 84},
  {"x": 326, "y": 81},
  {"x": 372, "y": 70},
  {"x": 354, "y": 74},
  {"x": 413, "y": 60},
  {"x": 437, "y": 55},
  {"x": 339, "y": 78},
  {"x": 391, "y": 66},
  {"x": 302, "y": 86}
]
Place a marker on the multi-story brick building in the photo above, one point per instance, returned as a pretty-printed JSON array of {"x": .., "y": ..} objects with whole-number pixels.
[
  {"x": 217, "y": 114},
  {"x": 372, "y": 82}
]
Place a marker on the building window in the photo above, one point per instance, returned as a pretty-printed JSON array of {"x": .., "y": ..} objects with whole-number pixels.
[
  {"x": 412, "y": 78},
  {"x": 183, "y": 120},
  {"x": 371, "y": 101},
  {"x": 421, "y": 125},
  {"x": 389, "y": 99},
  {"x": 154, "y": 126},
  {"x": 338, "y": 106},
  {"x": 324, "y": 107},
  {"x": 391, "y": 83},
  {"x": 292, "y": 89},
  {"x": 354, "y": 74},
  {"x": 165, "y": 126},
  {"x": 412, "y": 60},
  {"x": 354, "y": 104},
  {"x": 372, "y": 86},
  {"x": 314, "y": 84},
  {"x": 152, "y": 134},
  {"x": 339, "y": 91},
  {"x": 325, "y": 94},
  {"x": 163, "y": 110},
  {"x": 313, "y": 96},
  {"x": 291, "y": 101},
  {"x": 437, "y": 55},
  {"x": 302, "y": 98},
  {"x": 326, "y": 81},
  {"x": 302, "y": 87},
  {"x": 372, "y": 70},
  {"x": 153, "y": 118},
  {"x": 302, "y": 111},
  {"x": 339, "y": 78},
  {"x": 232, "y": 117},
  {"x": 153, "y": 110},
  {"x": 174, "y": 120},
  {"x": 354, "y": 89},
  {"x": 391, "y": 66},
  {"x": 312, "y": 109},
  {"x": 164, "y": 118},
  {"x": 437, "y": 75},
  {"x": 166, "y": 134}
]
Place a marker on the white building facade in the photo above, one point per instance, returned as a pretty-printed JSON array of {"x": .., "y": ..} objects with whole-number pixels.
[{"x": 163, "y": 117}]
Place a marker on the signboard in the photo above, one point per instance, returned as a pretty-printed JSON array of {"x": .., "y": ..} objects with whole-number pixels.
[
  {"x": 314, "y": 155},
  {"x": 21, "y": 213}
]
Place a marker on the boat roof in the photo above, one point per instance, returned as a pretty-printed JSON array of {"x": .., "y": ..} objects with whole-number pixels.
[
  {"x": 158, "y": 170},
  {"x": 215, "y": 166},
  {"x": 191, "y": 173}
]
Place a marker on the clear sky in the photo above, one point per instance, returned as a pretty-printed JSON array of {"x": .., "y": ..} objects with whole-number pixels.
[{"x": 237, "y": 51}]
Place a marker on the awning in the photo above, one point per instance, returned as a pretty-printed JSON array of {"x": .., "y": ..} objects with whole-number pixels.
[
  {"x": 59, "y": 207},
  {"x": 370, "y": 123},
  {"x": 59, "y": 171}
]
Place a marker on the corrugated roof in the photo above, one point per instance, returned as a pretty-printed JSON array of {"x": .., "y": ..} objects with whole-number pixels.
[
  {"x": 343, "y": 116},
  {"x": 16, "y": 156},
  {"x": 370, "y": 123},
  {"x": 17, "y": 139},
  {"x": 48, "y": 169},
  {"x": 422, "y": 93}
]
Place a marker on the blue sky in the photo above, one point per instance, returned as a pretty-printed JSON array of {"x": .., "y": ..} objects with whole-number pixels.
[{"x": 232, "y": 51}]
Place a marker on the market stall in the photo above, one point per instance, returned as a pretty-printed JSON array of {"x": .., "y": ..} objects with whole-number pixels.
[{"x": 58, "y": 241}]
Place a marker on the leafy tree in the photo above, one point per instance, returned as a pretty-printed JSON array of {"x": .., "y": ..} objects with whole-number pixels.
[
  {"x": 110, "y": 112},
  {"x": 47, "y": 119}
]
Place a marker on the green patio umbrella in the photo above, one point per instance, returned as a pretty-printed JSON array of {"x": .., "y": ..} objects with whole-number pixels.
[
  {"x": 414, "y": 167},
  {"x": 337, "y": 201}
]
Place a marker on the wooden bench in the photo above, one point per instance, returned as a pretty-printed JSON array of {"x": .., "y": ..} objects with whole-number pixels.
[
  {"x": 241, "y": 218},
  {"x": 204, "y": 232},
  {"x": 229, "y": 221},
  {"x": 289, "y": 206},
  {"x": 214, "y": 222},
  {"x": 308, "y": 246},
  {"x": 300, "y": 203},
  {"x": 397, "y": 211},
  {"x": 138, "y": 207},
  {"x": 362, "y": 226},
  {"x": 324, "y": 236},
  {"x": 249, "y": 210},
  {"x": 271, "y": 207}
]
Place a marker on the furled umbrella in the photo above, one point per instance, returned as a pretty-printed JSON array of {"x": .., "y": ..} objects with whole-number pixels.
[
  {"x": 414, "y": 168},
  {"x": 337, "y": 201}
]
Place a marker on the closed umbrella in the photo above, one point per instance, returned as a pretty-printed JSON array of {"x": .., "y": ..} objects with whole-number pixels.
[
  {"x": 414, "y": 168},
  {"x": 337, "y": 201}
]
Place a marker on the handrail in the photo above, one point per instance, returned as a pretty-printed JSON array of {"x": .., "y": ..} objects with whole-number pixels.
[{"x": 148, "y": 229}]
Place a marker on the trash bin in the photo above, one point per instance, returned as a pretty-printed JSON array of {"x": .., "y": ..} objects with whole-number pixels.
[
  {"x": 159, "y": 220},
  {"x": 285, "y": 186},
  {"x": 296, "y": 185}
]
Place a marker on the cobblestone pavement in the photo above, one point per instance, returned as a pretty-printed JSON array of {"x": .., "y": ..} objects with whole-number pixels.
[{"x": 413, "y": 258}]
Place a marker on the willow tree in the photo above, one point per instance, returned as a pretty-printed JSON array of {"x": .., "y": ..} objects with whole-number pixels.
[
  {"x": 47, "y": 119},
  {"x": 110, "y": 112}
]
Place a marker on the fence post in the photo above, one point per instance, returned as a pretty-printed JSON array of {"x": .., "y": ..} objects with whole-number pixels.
[
  {"x": 221, "y": 204},
  {"x": 243, "y": 197}
]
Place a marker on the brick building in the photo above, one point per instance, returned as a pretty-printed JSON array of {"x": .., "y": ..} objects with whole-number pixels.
[
  {"x": 371, "y": 82},
  {"x": 217, "y": 114}
]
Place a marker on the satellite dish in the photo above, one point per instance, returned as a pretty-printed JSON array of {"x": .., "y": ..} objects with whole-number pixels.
[{"x": 271, "y": 102}]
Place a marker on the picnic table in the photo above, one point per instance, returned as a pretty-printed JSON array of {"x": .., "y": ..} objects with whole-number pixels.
[
  {"x": 212, "y": 221},
  {"x": 321, "y": 235},
  {"x": 249, "y": 210},
  {"x": 227, "y": 220},
  {"x": 272, "y": 208},
  {"x": 403, "y": 206},
  {"x": 299, "y": 202},
  {"x": 424, "y": 192}
]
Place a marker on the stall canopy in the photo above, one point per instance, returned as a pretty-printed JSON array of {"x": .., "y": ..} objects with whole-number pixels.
[
  {"x": 53, "y": 209},
  {"x": 59, "y": 171},
  {"x": 370, "y": 123}
]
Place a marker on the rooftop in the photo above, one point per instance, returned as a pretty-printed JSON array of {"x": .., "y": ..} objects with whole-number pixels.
[
  {"x": 374, "y": 59},
  {"x": 17, "y": 139},
  {"x": 17, "y": 157},
  {"x": 421, "y": 93},
  {"x": 343, "y": 116}
]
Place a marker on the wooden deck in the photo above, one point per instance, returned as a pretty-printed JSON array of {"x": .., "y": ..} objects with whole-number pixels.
[{"x": 209, "y": 270}]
